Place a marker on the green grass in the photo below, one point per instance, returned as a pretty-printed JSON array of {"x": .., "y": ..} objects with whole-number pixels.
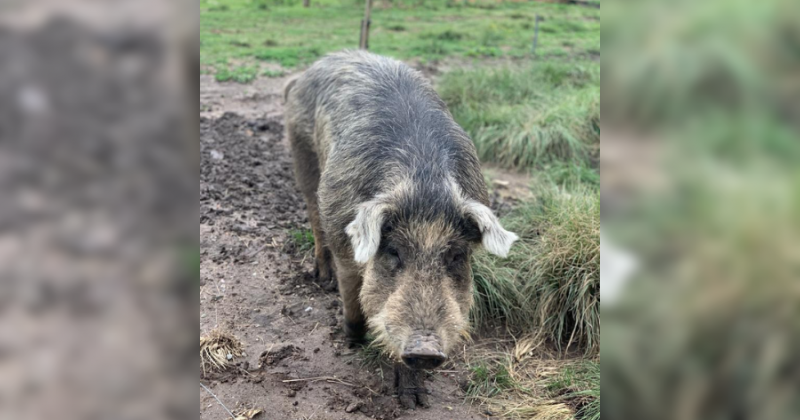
[
  {"x": 242, "y": 74},
  {"x": 273, "y": 73},
  {"x": 303, "y": 239},
  {"x": 579, "y": 384},
  {"x": 529, "y": 116},
  {"x": 533, "y": 114},
  {"x": 371, "y": 356},
  {"x": 488, "y": 379},
  {"x": 286, "y": 33},
  {"x": 549, "y": 286}
]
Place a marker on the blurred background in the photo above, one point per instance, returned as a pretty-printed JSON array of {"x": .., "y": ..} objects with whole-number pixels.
[
  {"x": 700, "y": 209},
  {"x": 98, "y": 209}
]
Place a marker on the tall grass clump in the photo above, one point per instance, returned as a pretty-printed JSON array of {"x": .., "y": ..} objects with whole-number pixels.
[
  {"x": 524, "y": 117},
  {"x": 579, "y": 385},
  {"x": 549, "y": 286}
]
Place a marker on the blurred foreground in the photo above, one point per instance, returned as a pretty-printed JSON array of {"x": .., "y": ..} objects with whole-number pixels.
[
  {"x": 701, "y": 188},
  {"x": 98, "y": 210}
]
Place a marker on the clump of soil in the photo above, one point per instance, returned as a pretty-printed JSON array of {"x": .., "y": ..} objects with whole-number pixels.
[{"x": 272, "y": 357}]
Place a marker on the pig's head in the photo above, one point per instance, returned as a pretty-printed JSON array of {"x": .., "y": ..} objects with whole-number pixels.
[{"x": 416, "y": 249}]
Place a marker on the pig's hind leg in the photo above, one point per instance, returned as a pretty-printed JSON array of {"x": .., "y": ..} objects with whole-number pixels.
[{"x": 306, "y": 169}]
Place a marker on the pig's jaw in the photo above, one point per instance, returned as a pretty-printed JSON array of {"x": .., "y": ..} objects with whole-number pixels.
[{"x": 416, "y": 349}]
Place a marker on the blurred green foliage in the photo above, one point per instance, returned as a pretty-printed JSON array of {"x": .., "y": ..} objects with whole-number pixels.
[{"x": 709, "y": 326}]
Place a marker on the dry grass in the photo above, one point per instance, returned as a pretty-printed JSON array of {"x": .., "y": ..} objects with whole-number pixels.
[
  {"x": 248, "y": 414},
  {"x": 218, "y": 349},
  {"x": 521, "y": 380}
]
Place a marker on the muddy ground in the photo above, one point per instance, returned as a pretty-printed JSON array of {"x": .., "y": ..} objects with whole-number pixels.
[{"x": 256, "y": 282}]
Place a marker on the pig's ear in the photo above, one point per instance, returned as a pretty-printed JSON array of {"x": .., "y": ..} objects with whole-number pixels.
[
  {"x": 365, "y": 230},
  {"x": 494, "y": 238}
]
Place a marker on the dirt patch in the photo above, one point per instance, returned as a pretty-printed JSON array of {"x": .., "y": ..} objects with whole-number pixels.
[
  {"x": 260, "y": 99},
  {"x": 295, "y": 363}
]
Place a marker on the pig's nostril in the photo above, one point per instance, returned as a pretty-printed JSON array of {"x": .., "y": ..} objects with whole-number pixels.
[
  {"x": 423, "y": 352},
  {"x": 423, "y": 361}
]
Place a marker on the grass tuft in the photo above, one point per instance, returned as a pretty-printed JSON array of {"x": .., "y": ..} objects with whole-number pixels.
[
  {"x": 488, "y": 379},
  {"x": 302, "y": 239},
  {"x": 273, "y": 73},
  {"x": 243, "y": 74},
  {"x": 525, "y": 117},
  {"x": 549, "y": 286},
  {"x": 579, "y": 385}
]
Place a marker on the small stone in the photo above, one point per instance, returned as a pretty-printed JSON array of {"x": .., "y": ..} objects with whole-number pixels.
[
  {"x": 229, "y": 356},
  {"x": 295, "y": 403},
  {"x": 291, "y": 393},
  {"x": 352, "y": 407}
]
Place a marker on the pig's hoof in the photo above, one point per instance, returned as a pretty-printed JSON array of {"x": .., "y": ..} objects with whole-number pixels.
[
  {"x": 324, "y": 275},
  {"x": 410, "y": 389},
  {"x": 411, "y": 398},
  {"x": 355, "y": 332}
]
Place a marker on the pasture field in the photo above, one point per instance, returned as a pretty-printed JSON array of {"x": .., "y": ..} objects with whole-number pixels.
[{"x": 242, "y": 33}]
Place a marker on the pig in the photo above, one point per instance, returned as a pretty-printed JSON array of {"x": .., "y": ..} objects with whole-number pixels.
[{"x": 397, "y": 203}]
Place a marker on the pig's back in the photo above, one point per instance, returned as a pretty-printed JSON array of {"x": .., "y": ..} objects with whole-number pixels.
[{"x": 374, "y": 120}]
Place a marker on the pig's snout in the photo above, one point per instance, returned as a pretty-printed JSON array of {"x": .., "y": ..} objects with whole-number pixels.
[{"x": 423, "y": 352}]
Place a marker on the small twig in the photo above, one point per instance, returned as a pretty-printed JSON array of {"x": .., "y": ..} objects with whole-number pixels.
[
  {"x": 242, "y": 370},
  {"x": 314, "y": 329},
  {"x": 313, "y": 414},
  {"x": 317, "y": 378},
  {"x": 331, "y": 380},
  {"x": 218, "y": 400}
]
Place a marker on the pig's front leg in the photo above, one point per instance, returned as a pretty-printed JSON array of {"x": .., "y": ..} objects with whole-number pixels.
[{"x": 410, "y": 387}]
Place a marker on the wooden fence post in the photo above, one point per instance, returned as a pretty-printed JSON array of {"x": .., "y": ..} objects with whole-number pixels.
[
  {"x": 535, "y": 35},
  {"x": 363, "y": 41}
]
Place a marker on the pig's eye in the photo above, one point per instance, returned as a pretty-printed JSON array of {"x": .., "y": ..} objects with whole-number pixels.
[
  {"x": 392, "y": 257},
  {"x": 455, "y": 258}
]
